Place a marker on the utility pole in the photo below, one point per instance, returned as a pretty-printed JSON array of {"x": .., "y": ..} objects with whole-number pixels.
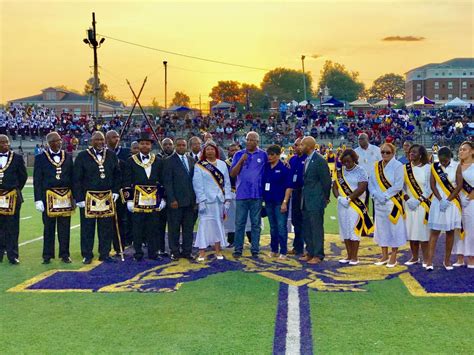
[
  {"x": 92, "y": 42},
  {"x": 165, "y": 63},
  {"x": 200, "y": 108},
  {"x": 304, "y": 77}
]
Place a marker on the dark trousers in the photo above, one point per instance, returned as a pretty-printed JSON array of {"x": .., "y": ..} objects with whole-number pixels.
[
  {"x": 313, "y": 232},
  {"x": 297, "y": 221},
  {"x": 278, "y": 227},
  {"x": 144, "y": 229},
  {"x": 9, "y": 232},
  {"x": 181, "y": 219},
  {"x": 104, "y": 230},
  {"x": 64, "y": 235},
  {"x": 123, "y": 226},
  {"x": 161, "y": 229}
]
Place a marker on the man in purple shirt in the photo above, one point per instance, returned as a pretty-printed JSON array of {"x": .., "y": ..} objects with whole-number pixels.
[{"x": 247, "y": 166}]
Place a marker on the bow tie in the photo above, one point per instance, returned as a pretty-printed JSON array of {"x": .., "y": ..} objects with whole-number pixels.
[
  {"x": 4, "y": 155},
  {"x": 144, "y": 157},
  {"x": 99, "y": 152}
]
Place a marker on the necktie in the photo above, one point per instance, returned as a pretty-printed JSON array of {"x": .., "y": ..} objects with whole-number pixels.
[
  {"x": 184, "y": 163},
  {"x": 195, "y": 157}
]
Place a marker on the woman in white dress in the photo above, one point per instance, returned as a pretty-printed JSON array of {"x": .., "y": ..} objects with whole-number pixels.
[
  {"x": 349, "y": 187},
  {"x": 465, "y": 247},
  {"x": 445, "y": 211},
  {"x": 417, "y": 193},
  {"x": 386, "y": 185},
  {"x": 213, "y": 193}
]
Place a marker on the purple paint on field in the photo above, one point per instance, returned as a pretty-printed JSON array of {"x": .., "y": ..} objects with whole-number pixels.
[
  {"x": 279, "y": 340},
  {"x": 306, "y": 334}
]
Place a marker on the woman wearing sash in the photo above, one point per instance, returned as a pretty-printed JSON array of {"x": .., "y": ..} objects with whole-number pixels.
[
  {"x": 417, "y": 193},
  {"x": 445, "y": 211},
  {"x": 465, "y": 247},
  {"x": 386, "y": 185},
  {"x": 211, "y": 184},
  {"x": 349, "y": 187}
]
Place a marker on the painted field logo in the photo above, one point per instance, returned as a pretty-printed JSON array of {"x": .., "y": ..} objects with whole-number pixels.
[{"x": 165, "y": 276}]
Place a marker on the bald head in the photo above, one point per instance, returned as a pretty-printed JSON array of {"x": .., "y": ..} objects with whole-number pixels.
[
  {"x": 98, "y": 140},
  {"x": 363, "y": 140},
  {"x": 308, "y": 144},
  {"x": 4, "y": 143},
  {"x": 168, "y": 146},
  {"x": 112, "y": 139},
  {"x": 297, "y": 147}
]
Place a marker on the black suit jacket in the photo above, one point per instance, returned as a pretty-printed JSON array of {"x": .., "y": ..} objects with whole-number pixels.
[
  {"x": 15, "y": 175},
  {"x": 316, "y": 183},
  {"x": 134, "y": 174},
  {"x": 178, "y": 182},
  {"x": 87, "y": 177},
  {"x": 44, "y": 175}
]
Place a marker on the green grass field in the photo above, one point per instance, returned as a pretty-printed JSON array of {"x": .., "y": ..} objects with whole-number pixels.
[{"x": 226, "y": 313}]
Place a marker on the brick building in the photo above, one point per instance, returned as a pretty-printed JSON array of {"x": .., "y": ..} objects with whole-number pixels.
[
  {"x": 61, "y": 99},
  {"x": 441, "y": 82}
]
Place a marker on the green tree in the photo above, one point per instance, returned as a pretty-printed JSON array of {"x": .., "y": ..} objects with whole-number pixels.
[
  {"x": 180, "y": 99},
  {"x": 286, "y": 84},
  {"x": 103, "y": 90},
  {"x": 228, "y": 90},
  {"x": 256, "y": 97},
  {"x": 388, "y": 84},
  {"x": 342, "y": 83}
]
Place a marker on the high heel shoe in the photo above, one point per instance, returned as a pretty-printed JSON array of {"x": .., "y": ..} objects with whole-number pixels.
[
  {"x": 414, "y": 262},
  {"x": 448, "y": 267},
  {"x": 392, "y": 265},
  {"x": 456, "y": 264},
  {"x": 380, "y": 263},
  {"x": 429, "y": 268}
]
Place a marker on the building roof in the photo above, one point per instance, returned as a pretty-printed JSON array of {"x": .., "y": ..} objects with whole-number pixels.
[{"x": 454, "y": 63}]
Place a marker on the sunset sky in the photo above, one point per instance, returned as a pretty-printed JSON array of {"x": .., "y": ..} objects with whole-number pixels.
[{"x": 41, "y": 41}]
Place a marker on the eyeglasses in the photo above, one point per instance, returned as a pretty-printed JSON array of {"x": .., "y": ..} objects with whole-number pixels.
[{"x": 386, "y": 152}]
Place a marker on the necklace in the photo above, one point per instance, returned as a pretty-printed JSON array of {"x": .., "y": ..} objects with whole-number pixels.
[
  {"x": 57, "y": 165},
  {"x": 2, "y": 170},
  {"x": 99, "y": 162},
  {"x": 143, "y": 165}
]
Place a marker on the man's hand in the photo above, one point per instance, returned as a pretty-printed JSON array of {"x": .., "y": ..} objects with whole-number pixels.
[
  {"x": 81, "y": 204},
  {"x": 243, "y": 158},
  {"x": 39, "y": 206},
  {"x": 174, "y": 205},
  {"x": 130, "y": 206},
  {"x": 284, "y": 207},
  {"x": 115, "y": 197},
  {"x": 162, "y": 205},
  {"x": 202, "y": 207}
]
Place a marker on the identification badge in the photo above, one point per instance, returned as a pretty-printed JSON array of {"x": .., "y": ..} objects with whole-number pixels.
[
  {"x": 267, "y": 186},
  {"x": 295, "y": 177}
]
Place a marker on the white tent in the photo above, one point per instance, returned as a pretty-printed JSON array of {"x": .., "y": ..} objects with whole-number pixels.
[
  {"x": 360, "y": 103},
  {"x": 303, "y": 103},
  {"x": 457, "y": 102},
  {"x": 383, "y": 103}
]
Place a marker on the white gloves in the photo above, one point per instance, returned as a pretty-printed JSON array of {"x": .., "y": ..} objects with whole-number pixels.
[
  {"x": 226, "y": 207},
  {"x": 464, "y": 200},
  {"x": 202, "y": 207},
  {"x": 81, "y": 204},
  {"x": 380, "y": 197},
  {"x": 413, "y": 204},
  {"x": 344, "y": 201},
  {"x": 162, "y": 205},
  {"x": 130, "y": 206},
  {"x": 115, "y": 197},
  {"x": 39, "y": 206},
  {"x": 444, "y": 205}
]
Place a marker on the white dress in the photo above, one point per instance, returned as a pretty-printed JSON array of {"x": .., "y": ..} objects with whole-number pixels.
[
  {"x": 417, "y": 230},
  {"x": 466, "y": 246},
  {"x": 348, "y": 217},
  {"x": 211, "y": 221},
  {"x": 451, "y": 218},
  {"x": 386, "y": 233}
]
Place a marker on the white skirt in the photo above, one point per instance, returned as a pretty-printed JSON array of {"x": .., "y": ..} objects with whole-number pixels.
[
  {"x": 417, "y": 230},
  {"x": 444, "y": 221},
  {"x": 387, "y": 234},
  {"x": 466, "y": 246},
  {"x": 211, "y": 226},
  {"x": 348, "y": 219}
]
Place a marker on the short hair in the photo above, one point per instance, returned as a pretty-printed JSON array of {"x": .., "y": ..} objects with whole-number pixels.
[
  {"x": 363, "y": 135},
  {"x": 445, "y": 152},
  {"x": 423, "y": 153},
  {"x": 134, "y": 143},
  {"x": 274, "y": 149},
  {"x": 209, "y": 144},
  {"x": 392, "y": 148},
  {"x": 193, "y": 138},
  {"x": 470, "y": 144},
  {"x": 50, "y": 135},
  {"x": 176, "y": 140},
  {"x": 351, "y": 153}
]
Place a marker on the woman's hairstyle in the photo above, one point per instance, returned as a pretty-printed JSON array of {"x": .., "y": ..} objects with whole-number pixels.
[
  {"x": 423, "y": 153},
  {"x": 351, "y": 153},
  {"x": 209, "y": 144},
  {"x": 274, "y": 149},
  {"x": 392, "y": 148},
  {"x": 470, "y": 144},
  {"x": 445, "y": 152}
]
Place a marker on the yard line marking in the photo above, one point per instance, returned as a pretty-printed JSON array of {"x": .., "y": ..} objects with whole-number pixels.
[
  {"x": 332, "y": 217},
  {"x": 40, "y": 238},
  {"x": 293, "y": 322},
  {"x": 27, "y": 217}
]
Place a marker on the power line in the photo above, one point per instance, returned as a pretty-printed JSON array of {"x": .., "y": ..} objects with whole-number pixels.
[{"x": 184, "y": 55}]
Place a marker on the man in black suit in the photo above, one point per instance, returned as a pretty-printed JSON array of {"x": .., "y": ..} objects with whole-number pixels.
[
  {"x": 13, "y": 178},
  {"x": 195, "y": 144},
  {"x": 96, "y": 176},
  {"x": 142, "y": 180},
  {"x": 53, "y": 176},
  {"x": 112, "y": 140},
  {"x": 168, "y": 150},
  {"x": 178, "y": 180},
  {"x": 314, "y": 199}
]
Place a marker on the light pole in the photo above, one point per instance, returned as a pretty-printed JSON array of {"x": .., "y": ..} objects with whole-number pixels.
[
  {"x": 92, "y": 42},
  {"x": 165, "y": 63},
  {"x": 304, "y": 77}
]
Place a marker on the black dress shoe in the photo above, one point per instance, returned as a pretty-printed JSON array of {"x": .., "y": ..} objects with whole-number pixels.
[
  {"x": 138, "y": 258},
  {"x": 107, "y": 259},
  {"x": 87, "y": 261},
  {"x": 189, "y": 256},
  {"x": 154, "y": 257},
  {"x": 163, "y": 254},
  {"x": 174, "y": 257},
  {"x": 66, "y": 260},
  {"x": 236, "y": 255},
  {"x": 14, "y": 261},
  {"x": 254, "y": 255},
  {"x": 46, "y": 261}
]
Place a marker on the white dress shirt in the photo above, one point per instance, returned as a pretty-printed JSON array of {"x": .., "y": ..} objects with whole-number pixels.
[
  {"x": 3, "y": 160},
  {"x": 185, "y": 159},
  {"x": 368, "y": 157},
  {"x": 144, "y": 161},
  {"x": 56, "y": 158}
]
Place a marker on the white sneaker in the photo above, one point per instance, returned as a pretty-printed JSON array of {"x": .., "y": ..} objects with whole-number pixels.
[
  {"x": 220, "y": 257},
  {"x": 282, "y": 257}
]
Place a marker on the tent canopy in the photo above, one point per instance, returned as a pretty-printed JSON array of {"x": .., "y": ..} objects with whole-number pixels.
[
  {"x": 222, "y": 106},
  {"x": 457, "y": 102},
  {"x": 333, "y": 103},
  {"x": 424, "y": 101},
  {"x": 178, "y": 109},
  {"x": 360, "y": 103},
  {"x": 383, "y": 103}
]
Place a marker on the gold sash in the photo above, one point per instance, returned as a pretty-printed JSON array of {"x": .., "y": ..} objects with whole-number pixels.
[
  {"x": 99, "y": 204},
  {"x": 8, "y": 202},
  {"x": 59, "y": 202},
  {"x": 416, "y": 190},
  {"x": 146, "y": 198},
  {"x": 398, "y": 209}
]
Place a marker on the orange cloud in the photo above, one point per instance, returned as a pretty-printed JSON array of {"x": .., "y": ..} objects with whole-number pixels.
[{"x": 403, "y": 39}]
